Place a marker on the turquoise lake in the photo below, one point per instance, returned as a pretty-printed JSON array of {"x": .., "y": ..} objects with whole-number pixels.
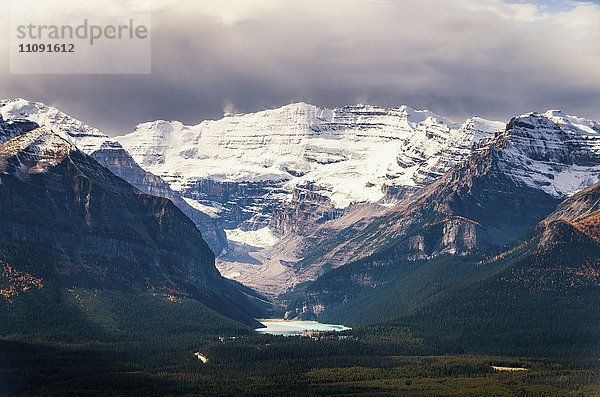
[{"x": 289, "y": 328}]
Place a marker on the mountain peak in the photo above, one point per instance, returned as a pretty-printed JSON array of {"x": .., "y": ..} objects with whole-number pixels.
[
  {"x": 294, "y": 111},
  {"x": 20, "y": 106},
  {"x": 297, "y": 105},
  {"x": 85, "y": 137},
  {"x": 552, "y": 152},
  {"x": 553, "y": 118},
  {"x": 418, "y": 116},
  {"x": 41, "y": 141},
  {"x": 23, "y": 115},
  {"x": 299, "y": 143},
  {"x": 34, "y": 152},
  {"x": 554, "y": 113}
]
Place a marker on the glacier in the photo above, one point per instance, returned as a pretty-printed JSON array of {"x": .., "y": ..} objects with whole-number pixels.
[{"x": 349, "y": 155}]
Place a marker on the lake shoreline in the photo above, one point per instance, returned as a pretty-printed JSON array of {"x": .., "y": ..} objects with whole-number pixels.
[{"x": 271, "y": 320}]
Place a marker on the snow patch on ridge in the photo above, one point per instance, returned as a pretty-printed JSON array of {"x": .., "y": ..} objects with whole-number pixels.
[
  {"x": 36, "y": 151},
  {"x": 261, "y": 238},
  {"x": 86, "y": 138},
  {"x": 213, "y": 211}
]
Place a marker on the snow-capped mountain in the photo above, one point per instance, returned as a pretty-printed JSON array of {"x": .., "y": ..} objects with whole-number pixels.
[
  {"x": 85, "y": 138},
  {"x": 342, "y": 156},
  {"x": 283, "y": 179},
  {"x": 34, "y": 153},
  {"x": 508, "y": 184},
  {"x": 554, "y": 152},
  {"x": 298, "y": 167},
  {"x": 20, "y": 114}
]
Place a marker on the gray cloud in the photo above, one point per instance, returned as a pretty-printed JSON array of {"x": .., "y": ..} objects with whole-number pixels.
[{"x": 456, "y": 58}]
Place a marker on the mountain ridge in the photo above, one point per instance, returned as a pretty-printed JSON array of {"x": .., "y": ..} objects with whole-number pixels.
[
  {"x": 551, "y": 271},
  {"x": 299, "y": 166},
  {"x": 108, "y": 153},
  {"x": 88, "y": 227}
]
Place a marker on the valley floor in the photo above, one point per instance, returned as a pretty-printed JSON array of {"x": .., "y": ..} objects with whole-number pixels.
[{"x": 269, "y": 365}]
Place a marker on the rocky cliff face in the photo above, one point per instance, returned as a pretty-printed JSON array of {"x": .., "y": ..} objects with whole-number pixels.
[
  {"x": 108, "y": 153},
  {"x": 305, "y": 209},
  {"x": 65, "y": 216},
  {"x": 13, "y": 128},
  {"x": 116, "y": 159},
  {"x": 244, "y": 205},
  {"x": 583, "y": 203},
  {"x": 552, "y": 152},
  {"x": 581, "y": 212}
]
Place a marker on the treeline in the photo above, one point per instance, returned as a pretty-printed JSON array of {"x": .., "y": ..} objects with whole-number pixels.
[
  {"x": 534, "y": 298},
  {"x": 81, "y": 314}
]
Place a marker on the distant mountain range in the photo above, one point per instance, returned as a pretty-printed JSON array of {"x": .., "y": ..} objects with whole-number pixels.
[
  {"x": 344, "y": 156},
  {"x": 284, "y": 172},
  {"x": 337, "y": 212},
  {"x": 510, "y": 181},
  {"x": 315, "y": 178}
]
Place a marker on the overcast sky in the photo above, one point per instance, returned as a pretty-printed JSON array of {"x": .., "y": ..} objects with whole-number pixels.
[{"x": 458, "y": 58}]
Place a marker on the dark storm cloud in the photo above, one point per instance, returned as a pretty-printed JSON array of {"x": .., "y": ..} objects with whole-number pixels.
[{"x": 457, "y": 58}]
